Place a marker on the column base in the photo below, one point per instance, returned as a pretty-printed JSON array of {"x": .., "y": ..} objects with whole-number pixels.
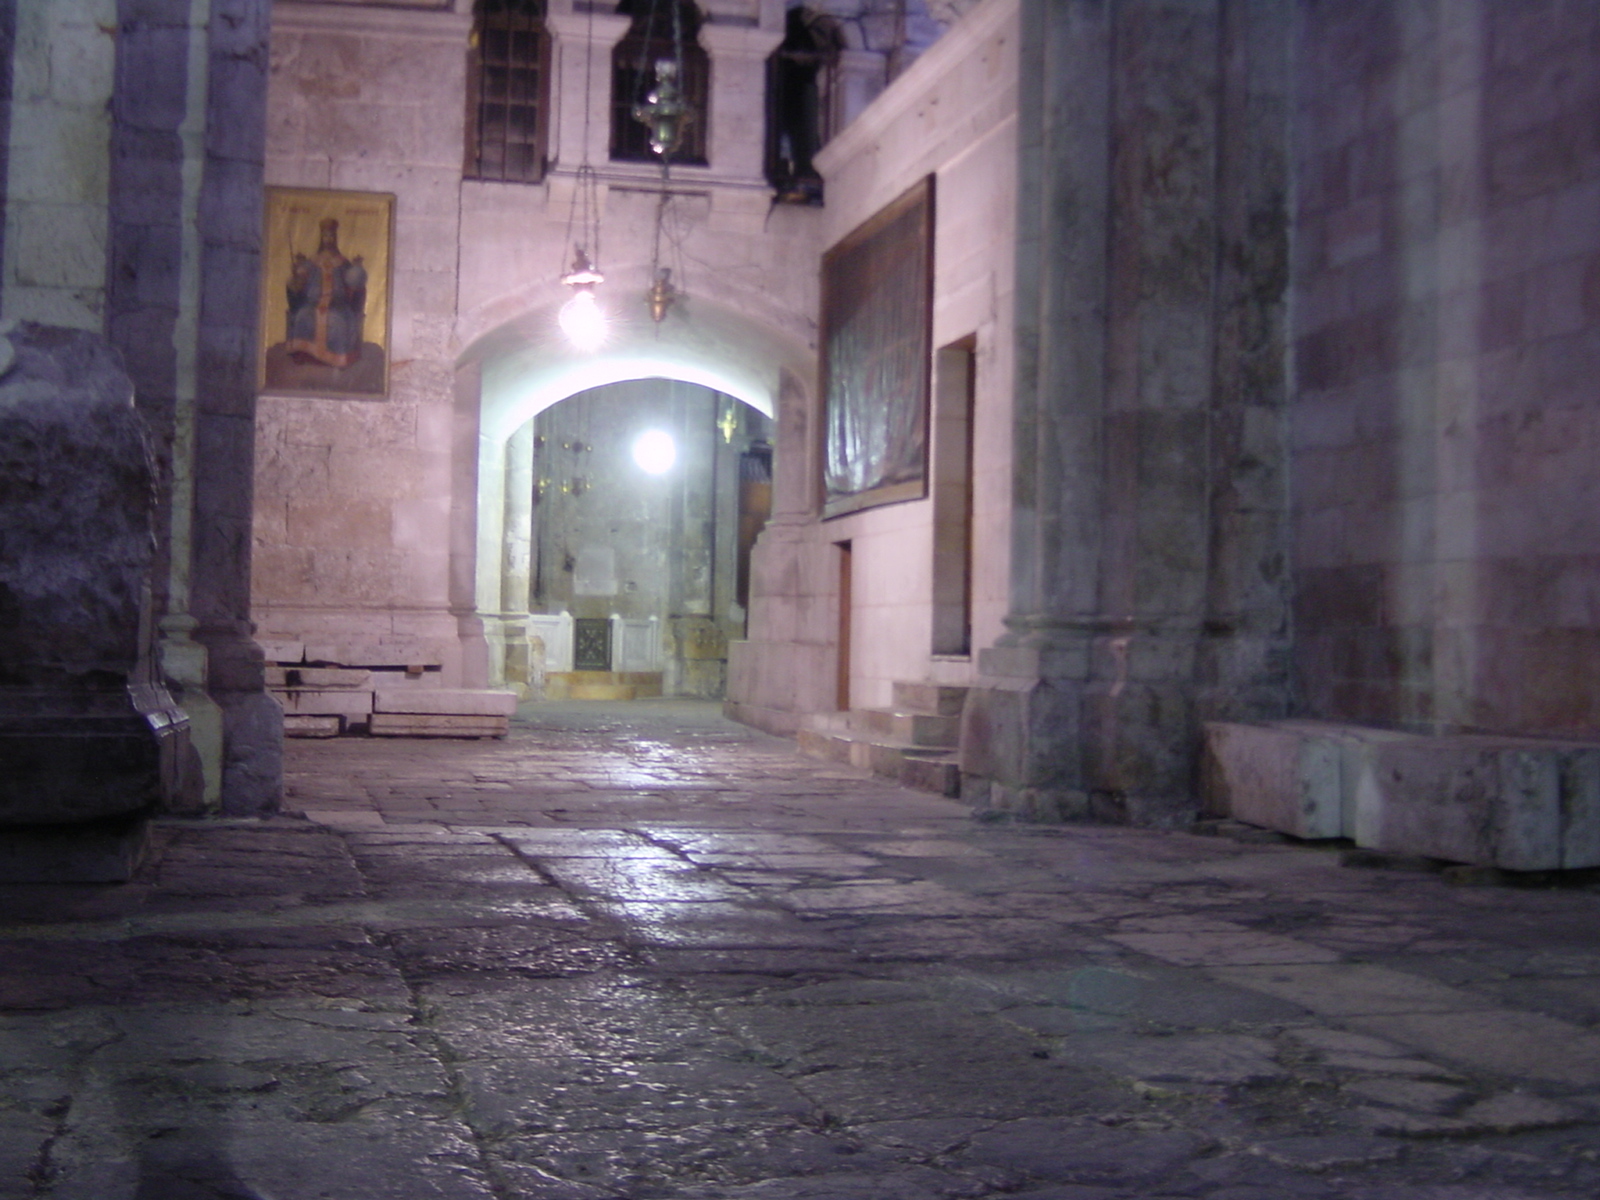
[{"x": 105, "y": 851}]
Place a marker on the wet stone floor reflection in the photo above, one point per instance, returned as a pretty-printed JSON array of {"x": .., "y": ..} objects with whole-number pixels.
[{"x": 635, "y": 951}]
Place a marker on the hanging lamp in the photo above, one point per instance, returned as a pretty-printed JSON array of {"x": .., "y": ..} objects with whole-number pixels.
[
  {"x": 581, "y": 318},
  {"x": 666, "y": 113}
]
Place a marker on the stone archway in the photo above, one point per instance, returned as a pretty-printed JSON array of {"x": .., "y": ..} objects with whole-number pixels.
[{"x": 511, "y": 374}]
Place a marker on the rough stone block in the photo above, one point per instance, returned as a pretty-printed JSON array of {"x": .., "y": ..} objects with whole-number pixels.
[
  {"x": 455, "y": 701},
  {"x": 339, "y": 702},
  {"x": 1522, "y": 804},
  {"x": 1580, "y": 808},
  {"x": 328, "y": 678},
  {"x": 1466, "y": 799},
  {"x": 310, "y": 725},
  {"x": 437, "y": 725},
  {"x": 84, "y": 733},
  {"x": 1284, "y": 778}
]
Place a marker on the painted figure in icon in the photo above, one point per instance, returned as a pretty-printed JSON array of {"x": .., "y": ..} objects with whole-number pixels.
[{"x": 327, "y": 295}]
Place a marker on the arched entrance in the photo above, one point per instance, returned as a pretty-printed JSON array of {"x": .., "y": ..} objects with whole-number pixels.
[{"x": 581, "y": 559}]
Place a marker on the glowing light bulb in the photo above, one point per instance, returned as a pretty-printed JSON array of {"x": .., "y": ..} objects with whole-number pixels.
[
  {"x": 655, "y": 452},
  {"x": 584, "y": 321}
]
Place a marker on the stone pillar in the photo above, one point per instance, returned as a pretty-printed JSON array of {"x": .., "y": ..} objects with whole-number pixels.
[
  {"x": 517, "y": 557},
  {"x": 472, "y": 668},
  {"x": 57, "y": 185},
  {"x": 581, "y": 45},
  {"x": 189, "y": 115},
  {"x": 739, "y": 56},
  {"x": 772, "y": 676},
  {"x": 1134, "y": 430}
]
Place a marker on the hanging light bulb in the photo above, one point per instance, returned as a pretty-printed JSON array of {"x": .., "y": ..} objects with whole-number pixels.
[
  {"x": 582, "y": 319},
  {"x": 584, "y": 322}
]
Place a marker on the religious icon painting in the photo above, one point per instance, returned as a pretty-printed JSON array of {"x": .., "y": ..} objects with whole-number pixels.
[{"x": 326, "y": 268}]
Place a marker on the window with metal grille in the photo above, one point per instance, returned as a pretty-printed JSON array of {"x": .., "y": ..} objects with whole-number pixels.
[
  {"x": 658, "y": 33},
  {"x": 509, "y": 79}
]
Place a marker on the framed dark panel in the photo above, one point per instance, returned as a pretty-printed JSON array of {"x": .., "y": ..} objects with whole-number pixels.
[
  {"x": 591, "y": 644},
  {"x": 877, "y": 343}
]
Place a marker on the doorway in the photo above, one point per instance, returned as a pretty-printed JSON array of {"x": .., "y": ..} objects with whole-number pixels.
[{"x": 846, "y": 613}]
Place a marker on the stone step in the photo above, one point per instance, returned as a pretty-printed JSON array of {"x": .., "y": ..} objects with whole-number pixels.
[
  {"x": 941, "y": 699},
  {"x": 598, "y": 691},
  {"x": 912, "y": 728},
  {"x": 463, "y": 702},
  {"x": 602, "y": 685},
  {"x": 461, "y": 725},
  {"x": 928, "y": 769},
  {"x": 317, "y": 678}
]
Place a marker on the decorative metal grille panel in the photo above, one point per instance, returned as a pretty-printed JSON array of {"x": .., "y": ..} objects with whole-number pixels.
[{"x": 591, "y": 644}]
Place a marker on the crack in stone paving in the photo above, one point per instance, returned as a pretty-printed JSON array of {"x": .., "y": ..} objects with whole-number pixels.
[{"x": 832, "y": 988}]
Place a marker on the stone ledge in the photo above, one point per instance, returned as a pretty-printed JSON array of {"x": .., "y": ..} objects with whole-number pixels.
[
  {"x": 479, "y": 702},
  {"x": 311, "y": 725},
  {"x": 462, "y": 725},
  {"x": 1522, "y": 804}
]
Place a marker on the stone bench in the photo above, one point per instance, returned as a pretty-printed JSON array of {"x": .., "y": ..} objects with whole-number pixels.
[{"x": 1522, "y": 804}]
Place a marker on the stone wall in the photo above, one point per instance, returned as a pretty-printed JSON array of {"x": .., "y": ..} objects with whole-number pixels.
[
  {"x": 351, "y": 525},
  {"x": 62, "y": 73},
  {"x": 951, "y": 115},
  {"x": 1444, "y": 428}
]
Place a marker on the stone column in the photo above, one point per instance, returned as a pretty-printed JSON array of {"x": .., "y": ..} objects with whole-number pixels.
[
  {"x": 1128, "y": 442},
  {"x": 772, "y": 675},
  {"x": 517, "y": 557},
  {"x": 738, "y": 98},
  {"x": 185, "y": 228},
  {"x": 472, "y": 668},
  {"x": 581, "y": 45}
]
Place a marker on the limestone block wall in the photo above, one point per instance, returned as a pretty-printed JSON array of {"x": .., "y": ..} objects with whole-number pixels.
[
  {"x": 60, "y": 81},
  {"x": 951, "y": 115},
  {"x": 353, "y": 496},
  {"x": 1444, "y": 429}
]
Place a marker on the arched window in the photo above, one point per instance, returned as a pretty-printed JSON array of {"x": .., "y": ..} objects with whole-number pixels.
[
  {"x": 800, "y": 84},
  {"x": 661, "y": 29},
  {"x": 509, "y": 87}
]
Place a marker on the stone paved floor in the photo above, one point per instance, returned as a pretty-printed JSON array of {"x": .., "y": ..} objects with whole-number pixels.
[{"x": 635, "y": 951}]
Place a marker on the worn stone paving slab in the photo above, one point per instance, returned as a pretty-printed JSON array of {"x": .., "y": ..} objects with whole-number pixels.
[
  {"x": 1352, "y": 989},
  {"x": 1229, "y": 945},
  {"x": 1153, "y": 998},
  {"x": 1501, "y": 1041},
  {"x": 637, "y": 953}
]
